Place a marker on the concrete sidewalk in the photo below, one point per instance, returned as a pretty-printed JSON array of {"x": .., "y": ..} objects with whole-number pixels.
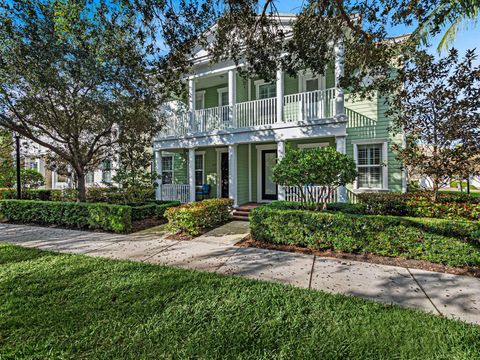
[{"x": 453, "y": 296}]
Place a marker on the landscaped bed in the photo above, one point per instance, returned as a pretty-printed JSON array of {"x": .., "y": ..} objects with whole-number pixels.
[
  {"x": 73, "y": 306},
  {"x": 344, "y": 229}
]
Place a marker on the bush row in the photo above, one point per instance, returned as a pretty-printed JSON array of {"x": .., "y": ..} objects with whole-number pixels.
[
  {"x": 105, "y": 195},
  {"x": 419, "y": 204},
  {"x": 154, "y": 209},
  {"x": 453, "y": 243},
  {"x": 116, "y": 218},
  {"x": 196, "y": 217}
]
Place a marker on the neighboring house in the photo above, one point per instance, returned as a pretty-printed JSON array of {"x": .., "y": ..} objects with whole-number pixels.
[
  {"x": 234, "y": 131},
  {"x": 35, "y": 158}
]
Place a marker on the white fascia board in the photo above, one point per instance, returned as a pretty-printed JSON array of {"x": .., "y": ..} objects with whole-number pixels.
[{"x": 276, "y": 132}]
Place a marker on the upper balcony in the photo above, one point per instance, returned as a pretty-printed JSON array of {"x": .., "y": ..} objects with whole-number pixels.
[
  {"x": 221, "y": 101},
  {"x": 294, "y": 108}
]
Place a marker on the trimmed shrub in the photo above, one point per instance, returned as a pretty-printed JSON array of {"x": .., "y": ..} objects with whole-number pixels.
[
  {"x": 195, "y": 217},
  {"x": 120, "y": 195},
  {"x": 154, "y": 209},
  {"x": 419, "y": 204},
  {"x": 453, "y": 243},
  {"x": 108, "y": 217},
  {"x": 32, "y": 194}
]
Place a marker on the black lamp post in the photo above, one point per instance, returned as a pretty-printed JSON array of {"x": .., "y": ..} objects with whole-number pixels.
[{"x": 17, "y": 145}]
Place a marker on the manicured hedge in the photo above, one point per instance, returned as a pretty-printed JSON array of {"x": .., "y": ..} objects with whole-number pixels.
[
  {"x": 94, "y": 195},
  {"x": 453, "y": 243},
  {"x": 419, "y": 204},
  {"x": 153, "y": 209},
  {"x": 195, "y": 217},
  {"x": 107, "y": 217}
]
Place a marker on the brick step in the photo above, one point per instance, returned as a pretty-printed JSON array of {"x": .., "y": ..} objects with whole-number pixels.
[{"x": 239, "y": 218}]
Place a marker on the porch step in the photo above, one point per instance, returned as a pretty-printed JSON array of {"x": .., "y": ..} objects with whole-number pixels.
[{"x": 241, "y": 212}]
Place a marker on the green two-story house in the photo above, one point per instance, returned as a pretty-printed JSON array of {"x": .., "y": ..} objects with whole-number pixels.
[{"x": 233, "y": 130}]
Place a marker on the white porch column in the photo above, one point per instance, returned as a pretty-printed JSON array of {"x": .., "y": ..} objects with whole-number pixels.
[
  {"x": 191, "y": 173},
  {"x": 280, "y": 94},
  {"x": 232, "y": 96},
  {"x": 341, "y": 148},
  {"x": 232, "y": 173},
  {"x": 191, "y": 102},
  {"x": 280, "y": 155},
  {"x": 158, "y": 169},
  {"x": 339, "y": 69}
]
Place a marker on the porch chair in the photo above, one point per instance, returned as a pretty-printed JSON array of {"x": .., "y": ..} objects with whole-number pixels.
[{"x": 204, "y": 191}]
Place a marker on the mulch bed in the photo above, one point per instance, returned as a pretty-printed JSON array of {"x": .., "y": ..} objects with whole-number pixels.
[
  {"x": 143, "y": 224},
  {"x": 370, "y": 258}
]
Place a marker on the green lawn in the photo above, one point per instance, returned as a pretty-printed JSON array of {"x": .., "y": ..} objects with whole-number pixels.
[{"x": 72, "y": 306}]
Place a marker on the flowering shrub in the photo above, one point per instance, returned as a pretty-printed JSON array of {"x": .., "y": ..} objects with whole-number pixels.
[{"x": 196, "y": 217}]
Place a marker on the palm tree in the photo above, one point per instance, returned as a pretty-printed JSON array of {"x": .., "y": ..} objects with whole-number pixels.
[{"x": 449, "y": 14}]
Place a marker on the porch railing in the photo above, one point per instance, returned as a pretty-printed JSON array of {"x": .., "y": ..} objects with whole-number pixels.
[
  {"x": 319, "y": 193},
  {"x": 215, "y": 118},
  {"x": 180, "y": 192},
  {"x": 310, "y": 105},
  {"x": 306, "y": 106},
  {"x": 256, "y": 112},
  {"x": 176, "y": 124}
]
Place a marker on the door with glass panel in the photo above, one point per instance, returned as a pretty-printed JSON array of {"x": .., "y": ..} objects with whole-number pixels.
[
  {"x": 269, "y": 187},
  {"x": 223, "y": 110},
  {"x": 265, "y": 110},
  {"x": 313, "y": 99}
]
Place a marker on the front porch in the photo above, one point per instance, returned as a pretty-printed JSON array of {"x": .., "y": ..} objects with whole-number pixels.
[{"x": 241, "y": 172}]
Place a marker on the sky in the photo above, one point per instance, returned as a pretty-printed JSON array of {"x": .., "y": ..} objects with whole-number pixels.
[{"x": 466, "y": 38}]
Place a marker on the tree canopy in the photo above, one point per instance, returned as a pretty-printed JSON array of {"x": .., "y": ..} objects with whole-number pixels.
[{"x": 72, "y": 74}]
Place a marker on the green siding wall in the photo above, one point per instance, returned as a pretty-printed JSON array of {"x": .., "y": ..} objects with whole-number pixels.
[
  {"x": 242, "y": 174},
  {"x": 367, "y": 121}
]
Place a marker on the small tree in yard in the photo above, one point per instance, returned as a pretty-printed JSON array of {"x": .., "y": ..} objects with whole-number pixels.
[
  {"x": 437, "y": 109},
  {"x": 323, "y": 167}
]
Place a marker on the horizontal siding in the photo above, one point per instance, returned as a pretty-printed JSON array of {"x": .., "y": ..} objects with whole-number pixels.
[
  {"x": 370, "y": 122},
  {"x": 242, "y": 174}
]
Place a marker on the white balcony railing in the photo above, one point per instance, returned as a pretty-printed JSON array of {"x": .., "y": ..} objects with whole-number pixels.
[
  {"x": 176, "y": 125},
  {"x": 209, "y": 119},
  {"x": 180, "y": 192},
  {"x": 256, "y": 112},
  {"x": 307, "y": 106},
  {"x": 319, "y": 104},
  {"x": 320, "y": 194}
]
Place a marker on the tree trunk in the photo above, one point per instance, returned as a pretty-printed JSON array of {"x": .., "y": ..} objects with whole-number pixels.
[{"x": 82, "y": 192}]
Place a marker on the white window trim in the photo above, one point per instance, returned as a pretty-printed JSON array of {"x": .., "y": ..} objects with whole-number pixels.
[
  {"x": 313, "y": 145},
  {"x": 219, "y": 170},
  {"x": 173, "y": 167},
  {"x": 203, "y": 165},
  {"x": 384, "y": 143},
  {"x": 259, "y": 83},
  {"x": 220, "y": 91},
  {"x": 259, "y": 170},
  {"x": 308, "y": 75},
  {"x": 202, "y": 94}
]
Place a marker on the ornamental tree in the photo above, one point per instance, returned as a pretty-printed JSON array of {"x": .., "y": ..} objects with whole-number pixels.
[
  {"x": 437, "y": 110},
  {"x": 72, "y": 74},
  {"x": 323, "y": 167}
]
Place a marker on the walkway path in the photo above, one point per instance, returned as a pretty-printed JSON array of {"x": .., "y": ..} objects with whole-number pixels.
[{"x": 443, "y": 294}]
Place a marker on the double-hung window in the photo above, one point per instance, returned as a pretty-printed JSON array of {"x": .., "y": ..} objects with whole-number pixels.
[
  {"x": 266, "y": 90},
  {"x": 370, "y": 158},
  {"x": 198, "y": 169},
  {"x": 107, "y": 171},
  {"x": 167, "y": 169}
]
